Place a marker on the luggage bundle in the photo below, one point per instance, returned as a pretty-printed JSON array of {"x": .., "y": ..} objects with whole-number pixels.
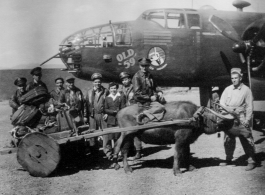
[
  {"x": 26, "y": 116},
  {"x": 36, "y": 96},
  {"x": 29, "y": 114}
]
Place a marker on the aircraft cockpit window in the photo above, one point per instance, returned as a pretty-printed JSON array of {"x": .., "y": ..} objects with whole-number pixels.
[
  {"x": 194, "y": 21},
  {"x": 91, "y": 37},
  {"x": 158, "y": 17},
  {"x": 106, "y": 38},
  {"x": 122, "y": 34},
  {"x": 175, "y": 20}
]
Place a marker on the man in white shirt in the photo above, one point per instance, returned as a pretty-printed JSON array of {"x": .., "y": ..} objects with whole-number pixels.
[{"x": 238, "y": 100}]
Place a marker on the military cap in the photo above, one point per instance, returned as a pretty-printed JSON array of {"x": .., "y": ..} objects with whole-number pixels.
[
  {"x": 58, "y": 78},
  {"x": 69, "y": 78},
  {"x": 215, "y": 89},
  {"x": 36, "y": 71},
  {"x": 96, "y": 76},
  {"x": 111, "y": 84},
  {"x": 20, "y": 81},
  {"x": 124, "y": 75},
  {"x": 144, "y": 61},
  {"x": 236, "y": 70}
]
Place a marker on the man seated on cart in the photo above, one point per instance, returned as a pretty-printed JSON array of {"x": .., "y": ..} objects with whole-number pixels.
[
  {"x": 73, "y": 98},
  {"x": 15, "y": 103},
  {"x": 53, "y": 103}
]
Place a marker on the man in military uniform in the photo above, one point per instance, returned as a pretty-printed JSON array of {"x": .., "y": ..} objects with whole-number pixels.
[
  {"x": 237, "y": 99},
  {"x": 54, "y": 97},
  {"x": 73, "y": 97},
  {"x": 15, "y": 103},
  {"x": 127, "y": 88},
  {"x": 127, "y": 91},
  {"x": 21, "y": 90},
  {"x": 55, "y": 93},
  {"x": 145, "y": 93},
  {"x": 36, "y": 74},
  {"x": 94, "y": 112}
]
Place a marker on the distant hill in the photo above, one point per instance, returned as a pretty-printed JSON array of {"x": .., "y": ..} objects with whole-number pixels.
[{"x": 7, "y": 86}]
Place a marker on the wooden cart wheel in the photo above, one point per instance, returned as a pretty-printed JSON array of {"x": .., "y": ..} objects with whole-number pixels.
[{"x": 39, "y": 154}]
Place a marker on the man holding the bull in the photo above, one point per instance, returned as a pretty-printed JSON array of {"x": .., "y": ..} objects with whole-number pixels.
[{"x": 237, "y": 99}]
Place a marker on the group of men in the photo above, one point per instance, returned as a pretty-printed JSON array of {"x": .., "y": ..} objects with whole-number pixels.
[
  {"x": 99, "y": 106},
  {"x": 141, "y": 89}
]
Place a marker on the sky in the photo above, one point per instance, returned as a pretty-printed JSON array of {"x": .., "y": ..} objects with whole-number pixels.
[{"x": 33, "y": 29}]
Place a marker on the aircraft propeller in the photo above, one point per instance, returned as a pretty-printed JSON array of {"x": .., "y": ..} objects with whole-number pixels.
[
  {"x": 226, "y": 62},
  {"x": 240, "y": 46}
]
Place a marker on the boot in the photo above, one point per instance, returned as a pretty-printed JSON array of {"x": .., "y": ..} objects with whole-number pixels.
[
  {"x": 226, "y": 163},
  {"x": 250, "y": 166}
]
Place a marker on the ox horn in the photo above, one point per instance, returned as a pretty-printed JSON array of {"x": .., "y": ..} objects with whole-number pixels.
[{"x": 224, "y": 117}]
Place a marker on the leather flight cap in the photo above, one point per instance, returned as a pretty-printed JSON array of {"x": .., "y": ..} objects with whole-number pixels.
[
  {"x": 69, "y": 78},
  {"x": 58, "y": 78},
  {"x": 144, "y": 62},
  {"x": 96, "y": 76},
  {"x": 20, "y": 81},
  {"x": 36, "y": 71},
  {"x": 124, "y": 75},
  {"x": 236, "y": 70}
]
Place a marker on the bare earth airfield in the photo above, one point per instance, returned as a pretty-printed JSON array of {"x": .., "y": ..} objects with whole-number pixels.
[{"x": 152, "y": 174}]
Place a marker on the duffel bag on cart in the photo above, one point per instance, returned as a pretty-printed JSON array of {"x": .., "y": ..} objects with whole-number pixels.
[
  {"x": 35, "y": 96},
  {"x": 26, "y": 116}
]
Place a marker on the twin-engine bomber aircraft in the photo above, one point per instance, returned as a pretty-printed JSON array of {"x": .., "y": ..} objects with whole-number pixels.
[{"x": 188, "y": 47}]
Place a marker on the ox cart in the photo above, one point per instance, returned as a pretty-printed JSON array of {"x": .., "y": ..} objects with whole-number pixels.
[{"x": 40, "y": 154}]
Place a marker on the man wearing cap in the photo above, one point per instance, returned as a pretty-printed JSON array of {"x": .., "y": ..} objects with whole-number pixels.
[
  {"x": 55, "y": 95},
  {"x": 145, "y": 93},
  {"x": 127, "y": 88},
  {"x": 73, "y": 97},
  {"x": 94, "y": 111},
  {"x": 127, "y": 91},
  {"x": 237, "y": 99},
  {"x": 36, "y": 74},
  {"x": 15, "y": 103},
  {"x": 21, "y": 90}
]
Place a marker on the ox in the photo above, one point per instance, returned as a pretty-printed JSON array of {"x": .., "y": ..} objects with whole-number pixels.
[{"x": 182, "y": 137}]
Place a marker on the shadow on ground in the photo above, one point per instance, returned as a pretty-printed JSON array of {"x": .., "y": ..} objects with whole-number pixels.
[
  {"x": 72, "y": 162},
  {"x": 196, "y": 162}
]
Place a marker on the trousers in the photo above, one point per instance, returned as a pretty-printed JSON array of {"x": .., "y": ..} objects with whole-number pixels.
[
  {"x": 245, "y": 136},
  {"x": 155, "y": 112}
]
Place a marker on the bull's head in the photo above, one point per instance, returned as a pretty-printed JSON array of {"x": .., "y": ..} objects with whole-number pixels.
[{"x": 213, "y": 122}]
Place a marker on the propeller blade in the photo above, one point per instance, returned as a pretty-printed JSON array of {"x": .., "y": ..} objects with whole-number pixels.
[
  {"x": 224, "y": 28},
  {"x": 226, "y": 62},
  {"x": 260, "y": 34},
  {"x": 249, "y": 72},
  {"x": 242, "y": 58},
  {"x": 259, "y": 67}
]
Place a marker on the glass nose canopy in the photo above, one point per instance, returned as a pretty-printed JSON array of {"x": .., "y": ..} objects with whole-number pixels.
[{"x": 108, "y": 35}]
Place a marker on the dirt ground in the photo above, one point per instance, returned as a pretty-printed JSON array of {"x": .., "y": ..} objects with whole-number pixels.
[{"x": 152, "y": 174}]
